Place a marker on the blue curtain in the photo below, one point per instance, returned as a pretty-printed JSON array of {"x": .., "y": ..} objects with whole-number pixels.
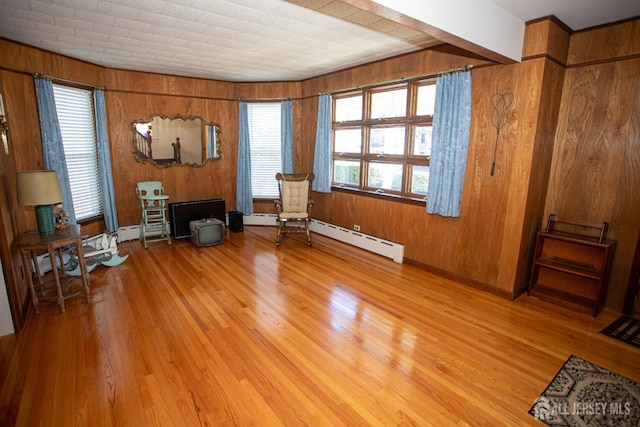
[
  {"x": 104, "y": 163},
  {"x": 52, "y": 148},
  {"x": 323, "y": 155},
  {"x": 450, "y": 144},
  {"x": 244, "y": 198},
  {"x": 286, "y": 135}
]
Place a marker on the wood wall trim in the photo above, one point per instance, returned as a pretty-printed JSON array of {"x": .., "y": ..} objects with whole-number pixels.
[
  {"x": 551, "y": 18},
  {"x": 547, "y": 36},
  {"x": 545, "y": 56},
  {"x": 604, "y": 61},
  {"x": 609, "y": 42}
]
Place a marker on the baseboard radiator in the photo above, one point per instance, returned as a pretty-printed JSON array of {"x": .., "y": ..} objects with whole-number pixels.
[
  {"x": 44, "y": 262},
  {"x": 132, "y": 232},
  {"x": 128, "y": 233},
  {"x": 259, "y": 219},
  {"x": 388, "y": 249}
]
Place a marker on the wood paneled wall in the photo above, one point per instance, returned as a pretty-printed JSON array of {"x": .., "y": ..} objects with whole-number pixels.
[
  {"x": 132, "y": 96},
  {"x": 596, "y": 162},
  {"x": 588, "y": 169},
  {"x": 489, "y": 244},
  {"x": 17, "y": 62},
  {"x": 16, "y": 286}
]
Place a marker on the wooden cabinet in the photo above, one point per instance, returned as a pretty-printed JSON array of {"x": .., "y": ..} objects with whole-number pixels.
[{"x": 571, "y": 263}]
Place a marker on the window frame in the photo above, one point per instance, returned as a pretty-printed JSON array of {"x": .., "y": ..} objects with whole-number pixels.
[
  {"x": 367, "y": 156},
  {"x": 98, "y": 200},
  {"x": 252, "y": 150}
]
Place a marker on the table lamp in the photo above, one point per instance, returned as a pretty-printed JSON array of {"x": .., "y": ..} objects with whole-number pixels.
[{"x": 42, "y": 190}]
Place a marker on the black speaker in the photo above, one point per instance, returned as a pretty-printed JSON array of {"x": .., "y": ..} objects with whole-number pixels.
[{"x": 235, "y": 221}]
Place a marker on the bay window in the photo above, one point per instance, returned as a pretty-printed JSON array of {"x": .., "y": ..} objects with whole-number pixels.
[{"x": 382, "y": 139}]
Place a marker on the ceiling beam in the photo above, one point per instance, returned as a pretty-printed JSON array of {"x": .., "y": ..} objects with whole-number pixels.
[{"x": 478, "y": 26}]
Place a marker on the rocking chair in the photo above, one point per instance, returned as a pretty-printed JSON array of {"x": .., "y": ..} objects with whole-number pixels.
[{"x": 294, "y": 205}]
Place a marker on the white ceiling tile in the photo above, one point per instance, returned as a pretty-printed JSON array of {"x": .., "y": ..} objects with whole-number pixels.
[
  {"x": 239, "y": 40},
  {"x": 96, "y": 18},
  {"x": 105, "y": 44},
  {"x": 54, "y": 29},
  {"x": 118, "y": 53},
  {"x": 56, "y": 45},
  {"x": 29, "y": 15},
  {"x": 91, "y": 35},
  {"x": 14, "y": 4},
  {"x": 77, "y": 25},
  {"x": 129, "y": 24},
  {"x": 125, "y": 10},
  {"x": 24, "y": 25},
  {"x": 51, "y": 9},
  {"x": 73, "y": 4},
  {"x": 121, "y": 40}
]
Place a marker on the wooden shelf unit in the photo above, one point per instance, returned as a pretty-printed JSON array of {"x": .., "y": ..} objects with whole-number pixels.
[{"x": 571, "y": 268}]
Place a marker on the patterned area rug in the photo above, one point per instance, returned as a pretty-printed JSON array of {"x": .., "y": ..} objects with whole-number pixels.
[
  {"x": 625, "y": 329},
  {"x": 585, "y": 394}
]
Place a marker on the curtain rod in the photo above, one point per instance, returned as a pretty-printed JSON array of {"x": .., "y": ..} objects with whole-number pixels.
[
  {"x": 69, "y": 82},
  {"x": 403, "y": 79},
  {"x": 265, "y": 99}
]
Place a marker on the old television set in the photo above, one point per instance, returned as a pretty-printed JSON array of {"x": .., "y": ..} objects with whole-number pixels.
[
  {"x": 182, "y": 213},
  {"x": 207, "y": 232}
]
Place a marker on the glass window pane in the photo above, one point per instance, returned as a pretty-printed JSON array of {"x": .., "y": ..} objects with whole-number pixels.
[
  {"x": 422, "y": 140},
  {"x": 76, "y": 118},
  {"x": 265, "y": 146},
  {"x": 419, "y": 179},
  {"x": 426, "y": 100},
  {"x": 348, "y": 140},
  {"x": 388, "y": 140},
  {"x": 387, "y": 176},
  {"x": 346, "y": 172},
  {"x": 391, "y": 103},
  {"x": 348, "y": 109}
]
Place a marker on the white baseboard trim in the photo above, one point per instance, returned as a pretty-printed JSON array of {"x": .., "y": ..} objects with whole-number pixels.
[{"x": 386, "y": 248}]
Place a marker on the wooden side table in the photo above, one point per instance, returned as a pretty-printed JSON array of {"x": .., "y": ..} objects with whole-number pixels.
[{"x": 31, "y": 243}]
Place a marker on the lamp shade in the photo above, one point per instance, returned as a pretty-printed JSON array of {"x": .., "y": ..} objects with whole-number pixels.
[{"x": 38, "y": 188}]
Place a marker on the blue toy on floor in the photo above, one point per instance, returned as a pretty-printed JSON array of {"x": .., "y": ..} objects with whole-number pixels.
[{"x": 98, "y": 250}]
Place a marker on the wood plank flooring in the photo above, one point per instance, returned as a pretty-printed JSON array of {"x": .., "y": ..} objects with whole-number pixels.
[{"x": 246, "y": 333}]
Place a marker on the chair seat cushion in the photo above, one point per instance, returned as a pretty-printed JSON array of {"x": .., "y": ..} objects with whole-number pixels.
[
  {"x": 295, "y": 195},
  {"x": 291, "y": 215}
]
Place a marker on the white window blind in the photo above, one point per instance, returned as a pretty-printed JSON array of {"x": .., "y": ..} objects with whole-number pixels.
[
  {"x": 264, "y": 141},
  {"x": 77, "y": 126}
]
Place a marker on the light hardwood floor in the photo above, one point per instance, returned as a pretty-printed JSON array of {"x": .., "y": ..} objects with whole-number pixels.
[{"x": 246, "y": 333}]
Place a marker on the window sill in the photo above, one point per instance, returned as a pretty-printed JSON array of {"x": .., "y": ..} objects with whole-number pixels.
[
  {"x": 90, "y": 220},
  {"x": 381, "y": 196}
]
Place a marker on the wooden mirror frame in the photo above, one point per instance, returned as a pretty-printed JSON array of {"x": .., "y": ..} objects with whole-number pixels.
[{"x": 143, "y": 147}]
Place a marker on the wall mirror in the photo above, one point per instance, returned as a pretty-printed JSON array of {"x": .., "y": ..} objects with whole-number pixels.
[{"x": 175, "y": 140}]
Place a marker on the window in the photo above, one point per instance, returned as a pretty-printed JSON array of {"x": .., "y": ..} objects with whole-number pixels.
[
  {"x": 77, "y": 126},
  {"x": 382, "y": 138},
  {"x": 265, "y": 146}
]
